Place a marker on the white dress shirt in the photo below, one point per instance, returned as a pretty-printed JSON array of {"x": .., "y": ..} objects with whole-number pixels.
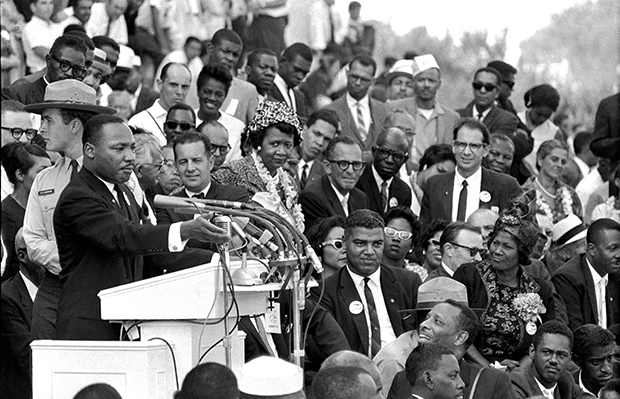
[
  {"x": 474, "y": 184},
  {"x": 379, "y": 181},
  {"x": 152, "y": 120},
  {"x": 39, "y": 33},
  {"x": 475, "y": 112},
  {"x": 344, "y": 199},
  {"x": 98, "y": 23},
  {"x": 30, "y": 287},
  {"x": 547, "y": 392},
  {"x": 583, "y": 167},
  {"x": 191, "y": 194},
  {"x": 447, "y": 269},
  {"x": 387, "y": 331},
  {"x": 600, "y": 285},
  {"x": 300, "y": 167},
  {"x": 365, "y": 104},
  {"x": 288, "y": 94}
]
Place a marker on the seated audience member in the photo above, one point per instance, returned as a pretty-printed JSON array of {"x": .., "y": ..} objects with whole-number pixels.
[
  {"x": 319, "y": 130},
  {"x": 365, "y": 298},
  {"x": 582, "y": 163},
  {"x": 548, "y": 376},
  {"x": 595, "y": 353},
  {"x": 169, "y": 181},
  {"x": 431, "y": 246},
  {"x": 460, "y": 243},
  {"x": 209, "y": 381},
  {"x": 401, "y": 232},
  {"x": 609, "y": 209},
  {"x": 120, "y": 100},
  {"x": 380, "y": 180},
  {"x": 433, "y": 373},
  {"x": 98, "y": 391},
  {"x": 587, "y": 282},
  {"x": 218, "y": 136},
  {"x": 484, "y": 219},
  {"x": 266, "y": 377},
  {"x": 611, "y": 390},
  {"x": 347, "y": 358},
  {"x": 402, "y": 120},
  {"x": 173, "y": 85},
  {"x": 437, "y": 159},
  {"x": 495, "y": 283},
  {"x": 261, "y": 71},
  {"x": 22, "y": 163},
  {"x": 214, "y": 82},
  {"x": 569, "y": 240},
  {"x": 18, "y": 294},
  {"x": 335, "y": 193},
  {"x": 326, "y": 238},
  {"x": 400, "y": 80},
  {"x": 149, "y": 160},
  {"x": 470, "y": 186},
  {"x": 343, "y": 383},
  {"x": 501, "y": 154},
  {"x": 180, "y": 119}
]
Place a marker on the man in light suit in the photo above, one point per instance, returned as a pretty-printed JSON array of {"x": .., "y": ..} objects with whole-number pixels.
[
  {"x": 365, "y": 298},
  {"x": 319, "y": 130},
  {"x": 582, "y": 280},
  {"x": 434, "y": 122},
  {"x": 362, "y": 117},
  {"x": 292, "y": 70},
  {"x": 448, "y": 198},
  {"x": 335, "y": 193},
  {"x": 100, "y": 232},
  {"x": 380, "y": 179},
  {"x": 548, "y": 375}
]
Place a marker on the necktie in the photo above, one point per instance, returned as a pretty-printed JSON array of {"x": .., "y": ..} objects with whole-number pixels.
[
  {"x": 199, "y": 196},
  {"x": 480, "y": 116},
  {"x": 345, "y": 206},
  {"x": 122, "y": 204},
  {"x": 75, "y": 167},
  {"x": 384, "y": 196},
  {"x": 375, "y": 339},
  {"x": 602, "y": 304},
  {"x": 304, "y": 176},
  {"x": 260, "y": 326},
  {"x": 361, "y": 126},
  {"x": 460, "y": 215}
]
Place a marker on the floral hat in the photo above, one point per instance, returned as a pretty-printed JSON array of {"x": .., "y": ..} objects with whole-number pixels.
[
  {"x": 269, "y": 113},
  {"x": 524, "y": 231}
]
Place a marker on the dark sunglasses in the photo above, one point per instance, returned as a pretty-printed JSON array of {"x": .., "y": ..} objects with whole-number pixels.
[
  {"x": 78, "y": 71},
  {"x": 487, "y": 87},
  {"x": 344, "y": 165},
  {"x": 184, "y": 125},
  {"x": 473, "y": 251},
  {"x": 384, "y": 153},
  {"x": 509, "y": 83},
  {"x": 17, "y": 132},
  {"x": 335, "y": 242}
]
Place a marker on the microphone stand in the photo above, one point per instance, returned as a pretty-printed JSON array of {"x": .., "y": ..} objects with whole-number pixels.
[{"x": 225, "y": 263}]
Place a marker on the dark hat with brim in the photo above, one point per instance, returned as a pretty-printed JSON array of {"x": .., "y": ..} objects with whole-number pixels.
[{"x": 69, "y": 94}]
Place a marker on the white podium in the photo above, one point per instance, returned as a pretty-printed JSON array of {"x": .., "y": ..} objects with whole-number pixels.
[{"x": 184, "y": 309}]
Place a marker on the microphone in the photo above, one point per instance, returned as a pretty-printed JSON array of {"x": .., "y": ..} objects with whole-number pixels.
[
  {"x": 263, "y": 236},
  {"x": 164, "y": 201},
  {"x": 223, "y": 222},
  {"x": 314, "y": 259}
]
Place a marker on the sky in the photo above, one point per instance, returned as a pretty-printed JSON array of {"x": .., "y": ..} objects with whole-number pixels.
[{"x": 522, "y": 18}]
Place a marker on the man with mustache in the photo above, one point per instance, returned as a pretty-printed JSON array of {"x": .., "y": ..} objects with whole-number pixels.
[
  {"x": 595, "y": 353},
  {"x": 433, "y": 372},
  {"x": 547, "y": 376}
]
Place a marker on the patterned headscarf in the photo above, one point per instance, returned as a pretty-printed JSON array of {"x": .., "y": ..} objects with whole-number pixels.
[
  {"x": 269, "y": 113},
  {"x": 526, "y": 233}
]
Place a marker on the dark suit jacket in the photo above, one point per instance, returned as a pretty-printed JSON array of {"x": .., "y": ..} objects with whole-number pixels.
[
  {"x": 492, "y": 384},
  {"x": 15, "y": 326},
  {"x": 400, "y": 291},
  {"x": 99, "y": 248},
  {"x": 398, "y": 190},
  {"x": 606, "y": 140},
  {"x": 378, "y": 112},
  {"x": 439, "y": 272},
  {"x": 316, "y": 172},
  {"x": 319, "y": 201},
  {"x": 573, "y": 281},
  {"x": 146, "y": 98},
  {"x": 301, "y": 101},
  {"x": 25, "y": 92},
  {"x": 437, "y": 200},
  {"x": 525, "y": 385},
  {"x": 254, "y": 345}
]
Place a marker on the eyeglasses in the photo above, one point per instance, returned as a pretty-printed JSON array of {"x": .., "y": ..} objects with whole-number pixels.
[
  {"x": 223, "y": 149},
  {"x": 335, "y": 242},
  {"x": 473, "y": 251},
  {"x": 384, "y": 153},
  {"x": 184, "y": 125},
  {"x": 434, "y": 242},
  {"x": 461, "y": 145},
  {"x": 17, "y": 132},
  {"x": 487, "y": 87},
  {"x": 169, "y": 163},
  {"x": 344, "y": 165},
  {"x": 158, "y": 166},
  {"x": 509, "y": 83},
  {"x": 403, "y": 235},
  {"x": 78, "y": 71}
]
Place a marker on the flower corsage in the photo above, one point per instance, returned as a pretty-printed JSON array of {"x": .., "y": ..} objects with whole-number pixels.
[{"x": 529, "y": 307}]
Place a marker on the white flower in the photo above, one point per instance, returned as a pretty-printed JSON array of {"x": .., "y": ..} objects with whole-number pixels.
[{"x": 529, "y": 306}]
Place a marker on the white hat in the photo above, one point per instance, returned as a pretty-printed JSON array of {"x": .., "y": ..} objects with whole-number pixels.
[
  {"x": 569, "y": 230},
  {"x": 125, "y": 57},
  {"x": 422, "y": 63},
  {"x": 400, "y": 68},
  {"x": 270, "y": 376}
]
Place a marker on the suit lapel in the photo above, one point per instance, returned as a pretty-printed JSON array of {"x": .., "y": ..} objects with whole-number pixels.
[
  {"x": 349, "y": 294},
  {"x": 446, "y": 190},
  {"x": 97, "y": 185},
  {"x": 486, "y": 185},
  {"x": 332, "y": 197},
  {"x": 587, "y": 276},
  {"x": 374, "y": 195},
  {"x": 24, "y": 297},
  {"x": 390, "y": 289}
]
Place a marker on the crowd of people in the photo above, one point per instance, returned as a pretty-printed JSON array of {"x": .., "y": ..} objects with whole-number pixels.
[{"x": 469, "y": 252}]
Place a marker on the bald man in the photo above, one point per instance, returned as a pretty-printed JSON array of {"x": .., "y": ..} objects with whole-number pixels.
[
  {"x": 354, "y": 359},
  {"x": 484, "y": 219}
]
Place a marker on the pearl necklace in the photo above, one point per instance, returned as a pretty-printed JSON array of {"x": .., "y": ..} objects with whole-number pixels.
[{"x": 544, "y": 189}]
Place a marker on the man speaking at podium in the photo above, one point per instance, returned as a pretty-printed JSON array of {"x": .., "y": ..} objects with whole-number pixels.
[{"x": 100, "y": 232}]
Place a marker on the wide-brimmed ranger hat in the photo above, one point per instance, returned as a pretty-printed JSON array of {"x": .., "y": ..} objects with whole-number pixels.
[{"x": 69, "y": 94}]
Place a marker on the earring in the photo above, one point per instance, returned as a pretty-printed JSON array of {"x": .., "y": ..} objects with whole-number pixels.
[{"x": 259, "y": 148}]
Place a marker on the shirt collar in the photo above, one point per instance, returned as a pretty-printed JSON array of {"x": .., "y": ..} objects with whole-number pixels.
[
  {"x": 281, "y": 83},
  {"x": 301, "y": 164},
  {"x": 476, "y": 178},
  {"x": 190, "y": 194},
  {"x": 543, "y": 389},
  {"x": 595, "y": 276},
  {"x": 447, "y": 269},
  {"x": 359, "y": 280},
  {"x": 379, "y": 179},
  {"x": 157, "y": 110},
  {"x": 364, "y": 101},
  {"x": 30, "y": 286},
  {"x": 484, "y": 113},
  {"x": 338, "y": 194}
]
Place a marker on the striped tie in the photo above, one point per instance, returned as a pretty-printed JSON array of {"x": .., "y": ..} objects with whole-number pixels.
[
  {"x": 361, "y": 126},
  {"x": 375, "y": 339}
]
